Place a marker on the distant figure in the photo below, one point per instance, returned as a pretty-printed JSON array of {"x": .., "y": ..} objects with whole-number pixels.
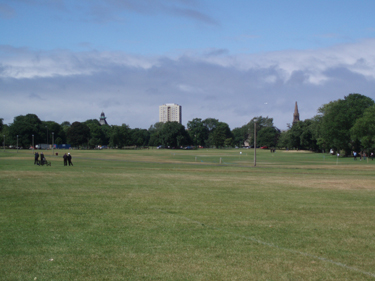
[
  {"x": 36, "y": 158},
  {"x": 70, "y": 159},
  {"x": 65, "y": 159},
  {"x": 372, "y": 156},
  {"x": 42, "y": 158},
  {"x": 355, "y": 155}
]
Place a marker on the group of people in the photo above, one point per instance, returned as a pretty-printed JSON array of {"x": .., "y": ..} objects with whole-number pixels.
[
  {"x": 42, "y": 158},
  {"x": 67, "y": 158},
  {"x": 364, "y": 155}
]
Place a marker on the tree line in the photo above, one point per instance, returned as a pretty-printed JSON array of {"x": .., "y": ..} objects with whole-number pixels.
[{"x": 344, "y": 125}]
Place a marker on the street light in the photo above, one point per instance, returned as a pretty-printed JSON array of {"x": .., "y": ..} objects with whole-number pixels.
[
  {"x": 47, "y": 136},
  {"x": 53, "y": 140},
  {"x": 17, "y": 143},
  {"x": 4, "y": 143},
  {"x": 255, "y": 144}
]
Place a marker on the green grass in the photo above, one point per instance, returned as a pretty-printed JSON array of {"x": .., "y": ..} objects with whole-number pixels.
[{"x": 181, "y": 215}]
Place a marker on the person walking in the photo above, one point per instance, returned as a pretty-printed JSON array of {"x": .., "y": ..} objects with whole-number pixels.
[
  {"x": 36, "y": 158},
  {"x": 65, "y": 159},
  {"x": 372, "y": 156},
  {"x": 70, "y": 159},
  {"x": 355, "y": 155}
]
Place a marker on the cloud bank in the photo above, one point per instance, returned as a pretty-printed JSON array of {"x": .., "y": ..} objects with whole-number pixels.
[{"x": 61, "y": 85}]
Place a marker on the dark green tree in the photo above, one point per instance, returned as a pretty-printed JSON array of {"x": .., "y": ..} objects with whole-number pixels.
[
  {"x": 364, "y": 129},
  {"x": 173, "y": 134},
  {"x": 120, "y": 136},
  {"x": 198, "y": 131},
  {"x": 220, "y": 134},
  {"x": 268, "y": 137},
  {"x": 140, "y": 137},
  {"x": 78, "y": 134},
  {"x": 240, "y": 135},
  {"x": 97, "y": 135},
  {"x": 25, "y": 126},
  {"x": 154, "y": 132},
  {"x": 338, "y": 117}
]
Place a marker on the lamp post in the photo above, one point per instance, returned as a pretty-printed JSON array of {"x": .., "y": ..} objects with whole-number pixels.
[
  {"x": 47, "y": 136},
  {"x": 255, "y": 144},
  {"x": 33, "y": 143},
  {"x": 53, "y": 140},
  {"x": 17, "y": 143}
]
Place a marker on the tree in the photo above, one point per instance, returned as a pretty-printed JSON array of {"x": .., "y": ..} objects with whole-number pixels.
[
  {"x": 173, "y": 134},
  {"x": 97, "y": 136},
  {"x": 210, "y": 124},
  {"x": 78, "y": 134},
  {"x": 120, "y": 136},
  {"x": 240, "y": 135},
  {"x": 268, "y": 137},
  {"x": 25, "y": 126},
  {"x": 139, "y": 137},
  {"x": 154, "y": 132},
  {"x": 1, "y": 124},
  {"x": 364, "y": 129},
  {"x": 220, "y": 134},
  {"x": 301, "y": 135},
  {"x": 198, "y": 131},
  {"x": 338, "y": 117}
]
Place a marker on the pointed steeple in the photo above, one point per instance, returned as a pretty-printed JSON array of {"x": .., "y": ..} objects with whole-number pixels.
[{"x": 296, "y": 114}]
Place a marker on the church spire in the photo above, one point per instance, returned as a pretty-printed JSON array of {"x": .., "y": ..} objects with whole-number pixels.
[{"x": 296, "y": 114}]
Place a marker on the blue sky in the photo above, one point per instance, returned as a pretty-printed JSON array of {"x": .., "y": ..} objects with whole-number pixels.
[{"x": 230, "y": 60}]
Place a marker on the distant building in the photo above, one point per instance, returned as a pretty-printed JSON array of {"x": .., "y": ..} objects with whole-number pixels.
[
  {"x": 295, "y": 115},
  {"x": 170, "y": 112},
  {"x": 102, "y": 120}
]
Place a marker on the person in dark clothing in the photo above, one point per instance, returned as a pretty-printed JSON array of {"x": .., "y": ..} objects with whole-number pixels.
[
  {"x": 42, "y": 159},
  {"x": 36, "y": 158},
  {"x": 65, "y": 159},
  {"x": 70, "y": 159}
]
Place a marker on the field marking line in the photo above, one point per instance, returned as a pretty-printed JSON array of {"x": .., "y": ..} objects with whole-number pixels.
[{"x": 272, "y": 245}]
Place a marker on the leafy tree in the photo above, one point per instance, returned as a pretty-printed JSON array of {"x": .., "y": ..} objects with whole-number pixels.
[
  {"x": 240, "y": 135},
  {"x": 25, "y": 126},
  {"x": 54, "y": 128},
  {"x": 1, "y": 124},
  {"x": 301, "y": 135},
  {"x": 154, "y": 132},
  {"x": 173, "y": 134},
  {"x": 220, "y": 134},
  {"x": 268, "y": 137},
  {"x": 198, "y": 131},
  {"x": 120, "y": 136},
  {"x": 140, "y": 137},
  {"x": 97, "y": 136},
  {"x": 65, "y": 126},
  {"x": 364, "y": 129},
  {"x": 78, "y": 134},
  {"x": 338, "y": 117}
]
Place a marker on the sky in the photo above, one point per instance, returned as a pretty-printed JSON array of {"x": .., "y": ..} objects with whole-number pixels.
[{"x": 70, "y": 60}]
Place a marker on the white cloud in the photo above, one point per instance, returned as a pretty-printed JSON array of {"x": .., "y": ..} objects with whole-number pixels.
[{"x": 62, "y": 85}]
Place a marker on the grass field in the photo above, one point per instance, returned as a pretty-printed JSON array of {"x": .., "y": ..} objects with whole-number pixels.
[{"x": 187, "y": 215}]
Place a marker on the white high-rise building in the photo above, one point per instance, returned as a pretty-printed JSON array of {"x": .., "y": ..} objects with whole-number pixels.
[{"x": 170, "y": 112}]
